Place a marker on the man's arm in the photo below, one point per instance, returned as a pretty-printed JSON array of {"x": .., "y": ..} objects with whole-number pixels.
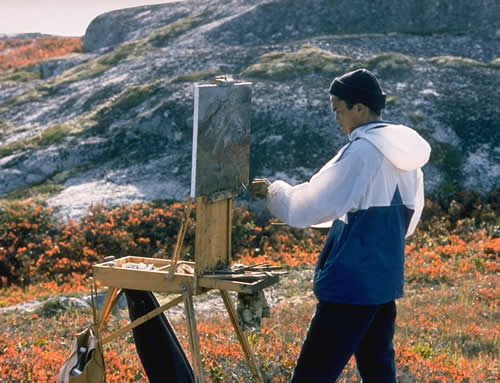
[{"x": 329, "y": 194}]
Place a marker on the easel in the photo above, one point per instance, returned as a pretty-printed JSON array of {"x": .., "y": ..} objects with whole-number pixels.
[
  {"x": 213, "y": 249},
  {"x": 212, "y": 259}
]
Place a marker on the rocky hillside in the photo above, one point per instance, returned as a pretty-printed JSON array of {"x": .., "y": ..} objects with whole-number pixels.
[{"x": 113, "y": 124}]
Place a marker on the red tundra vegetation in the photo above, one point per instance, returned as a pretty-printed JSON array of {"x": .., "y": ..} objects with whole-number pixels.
[
  {"x": 19, "y": 52},
  {"x": 447, "y": 328}
]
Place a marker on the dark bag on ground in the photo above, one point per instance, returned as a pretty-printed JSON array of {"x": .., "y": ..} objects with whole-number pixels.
[{"x": 159, "y": 350}]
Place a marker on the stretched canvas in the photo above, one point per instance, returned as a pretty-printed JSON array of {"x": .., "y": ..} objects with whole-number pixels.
[{"x": 221, "y": 139}]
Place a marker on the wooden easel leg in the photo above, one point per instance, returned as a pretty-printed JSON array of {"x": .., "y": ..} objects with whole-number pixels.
[
  {"x": 142, "y": 319},
  {"x": 107, "y": 304},
  {"x": 193, "y": 336},
  {"x": 241, "y": 337}
]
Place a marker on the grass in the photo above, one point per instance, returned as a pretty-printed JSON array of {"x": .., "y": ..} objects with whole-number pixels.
[
  {"x": 32, "y": 95},
  {"x": 93, "y": 68},
  {"x": 96, "y": 67},
  {"x": 124, "y": 52},
  {"x": 21, "y": 75},
  {"x": 306, "y": 60},
  {"x": 390, "y": 62},
  {"x": 133, "y": 96},
  {"x": 37, "y": 192},
  {"x": 4, "y": 127},
  {"x": 456, "y": 62},
  {"x": 50, "y": 136},
  {"x": 393, "y": 101},
  {"x": 416, "y": 118},
  {"x": 53, "y": 135},
  {"x": 309, "y": 59},
  {"x": 495, "y": 63},
  {"x": 126, "y": 100},
  {"x": 197, "y": 76},
  {"x": 81, "y": 72},
  {"x": 162, "y": 35},
  {"x": 44, "y": 190}
]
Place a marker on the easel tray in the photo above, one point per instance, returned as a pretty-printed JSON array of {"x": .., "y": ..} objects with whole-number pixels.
[{"x": 153, "y": 274}]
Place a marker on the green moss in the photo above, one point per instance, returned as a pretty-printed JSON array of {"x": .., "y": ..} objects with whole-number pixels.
[
  {"x": 449, "y": 160},
  {"x": 45, "y": 189},
  {"x": 133, "y": 96},
  {"x": 161, "y": 35},
  {"x": 4, "y": 127},
  {"x": 124, "y": 52},
  {"x": 38, "y": 192},
  {"x": 308, "y": 59},
  {"x": 456, "y": 62},
  {"x": 52, "y": 135},
  {"x": 80, "y": 72},
  {"x": 171, "y": 30},
  {"x": 197, "y": 76},
  {"x": 8, "y": 149},
  {"x": 21, "y": 75},
  {"x": 96, "y": 67},
  {"x": 393, "y": 101},
  {"x": 390, "y": 62},
  {"x": 495, "y": 63},
  {"x": 99, "y": 119},
  {"x": 416, "y": 118},
  {"x": 32, "y": 95}
]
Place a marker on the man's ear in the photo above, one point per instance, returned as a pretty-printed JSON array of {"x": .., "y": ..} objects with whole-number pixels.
[
  {"x": 362, "y": 109},
  {"x": 359, "y": 107}
]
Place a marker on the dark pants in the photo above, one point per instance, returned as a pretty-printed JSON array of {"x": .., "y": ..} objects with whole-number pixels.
[{"x": 336, "y": 332}]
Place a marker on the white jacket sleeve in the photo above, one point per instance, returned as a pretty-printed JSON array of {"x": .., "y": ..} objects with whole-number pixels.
[
  {"x": 419, "y": 204},
  {"x": 332, "y": 192}
]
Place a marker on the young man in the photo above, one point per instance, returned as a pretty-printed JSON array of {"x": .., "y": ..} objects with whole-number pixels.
[{"x": 373, "y": 191}]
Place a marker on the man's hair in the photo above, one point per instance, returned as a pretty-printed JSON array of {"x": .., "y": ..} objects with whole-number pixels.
[
  {"x": 350, "y": 105},
  {"x": 359, "y": 86}
]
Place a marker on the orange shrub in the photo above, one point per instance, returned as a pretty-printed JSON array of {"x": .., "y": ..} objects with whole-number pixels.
[
  {"x": 26, "y": 232},
  {"x": 16, "y": 53},
  {"x": 36, "y": 247}
]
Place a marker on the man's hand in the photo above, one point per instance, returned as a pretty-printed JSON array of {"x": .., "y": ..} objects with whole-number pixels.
[{"x": 258, "y": 187}]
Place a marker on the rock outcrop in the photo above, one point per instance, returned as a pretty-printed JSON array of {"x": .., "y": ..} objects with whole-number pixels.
[{"x": 114, "y": 124}]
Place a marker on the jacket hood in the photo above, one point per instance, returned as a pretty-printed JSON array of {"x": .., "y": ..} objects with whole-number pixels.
[{"x": 401, "y": 145}]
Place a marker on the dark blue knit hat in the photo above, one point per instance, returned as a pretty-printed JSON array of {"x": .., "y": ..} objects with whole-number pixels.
[{"x": 359, "y": 86}]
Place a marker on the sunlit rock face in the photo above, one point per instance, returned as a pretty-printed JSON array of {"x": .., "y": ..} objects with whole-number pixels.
[{"x": 114, "y": 124}]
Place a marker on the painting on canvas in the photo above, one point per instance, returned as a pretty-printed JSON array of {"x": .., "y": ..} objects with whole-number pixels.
[{"x": 221, "y": 139}]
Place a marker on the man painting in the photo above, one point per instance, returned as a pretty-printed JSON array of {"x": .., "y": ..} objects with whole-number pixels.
[{"x": 372, "y": 190}]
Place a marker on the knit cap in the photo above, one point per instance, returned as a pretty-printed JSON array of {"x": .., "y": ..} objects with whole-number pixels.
[{"x": 359, "y": 86}]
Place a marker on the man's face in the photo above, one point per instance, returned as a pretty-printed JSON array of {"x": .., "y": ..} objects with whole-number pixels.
[{"x": 348, "y": 119}]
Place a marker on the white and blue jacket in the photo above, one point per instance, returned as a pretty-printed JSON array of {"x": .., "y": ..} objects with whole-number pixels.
[{"x": 372, "y": 195}]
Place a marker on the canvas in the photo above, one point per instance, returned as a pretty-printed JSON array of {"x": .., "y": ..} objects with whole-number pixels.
[{"x": 221, "y": 139}]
